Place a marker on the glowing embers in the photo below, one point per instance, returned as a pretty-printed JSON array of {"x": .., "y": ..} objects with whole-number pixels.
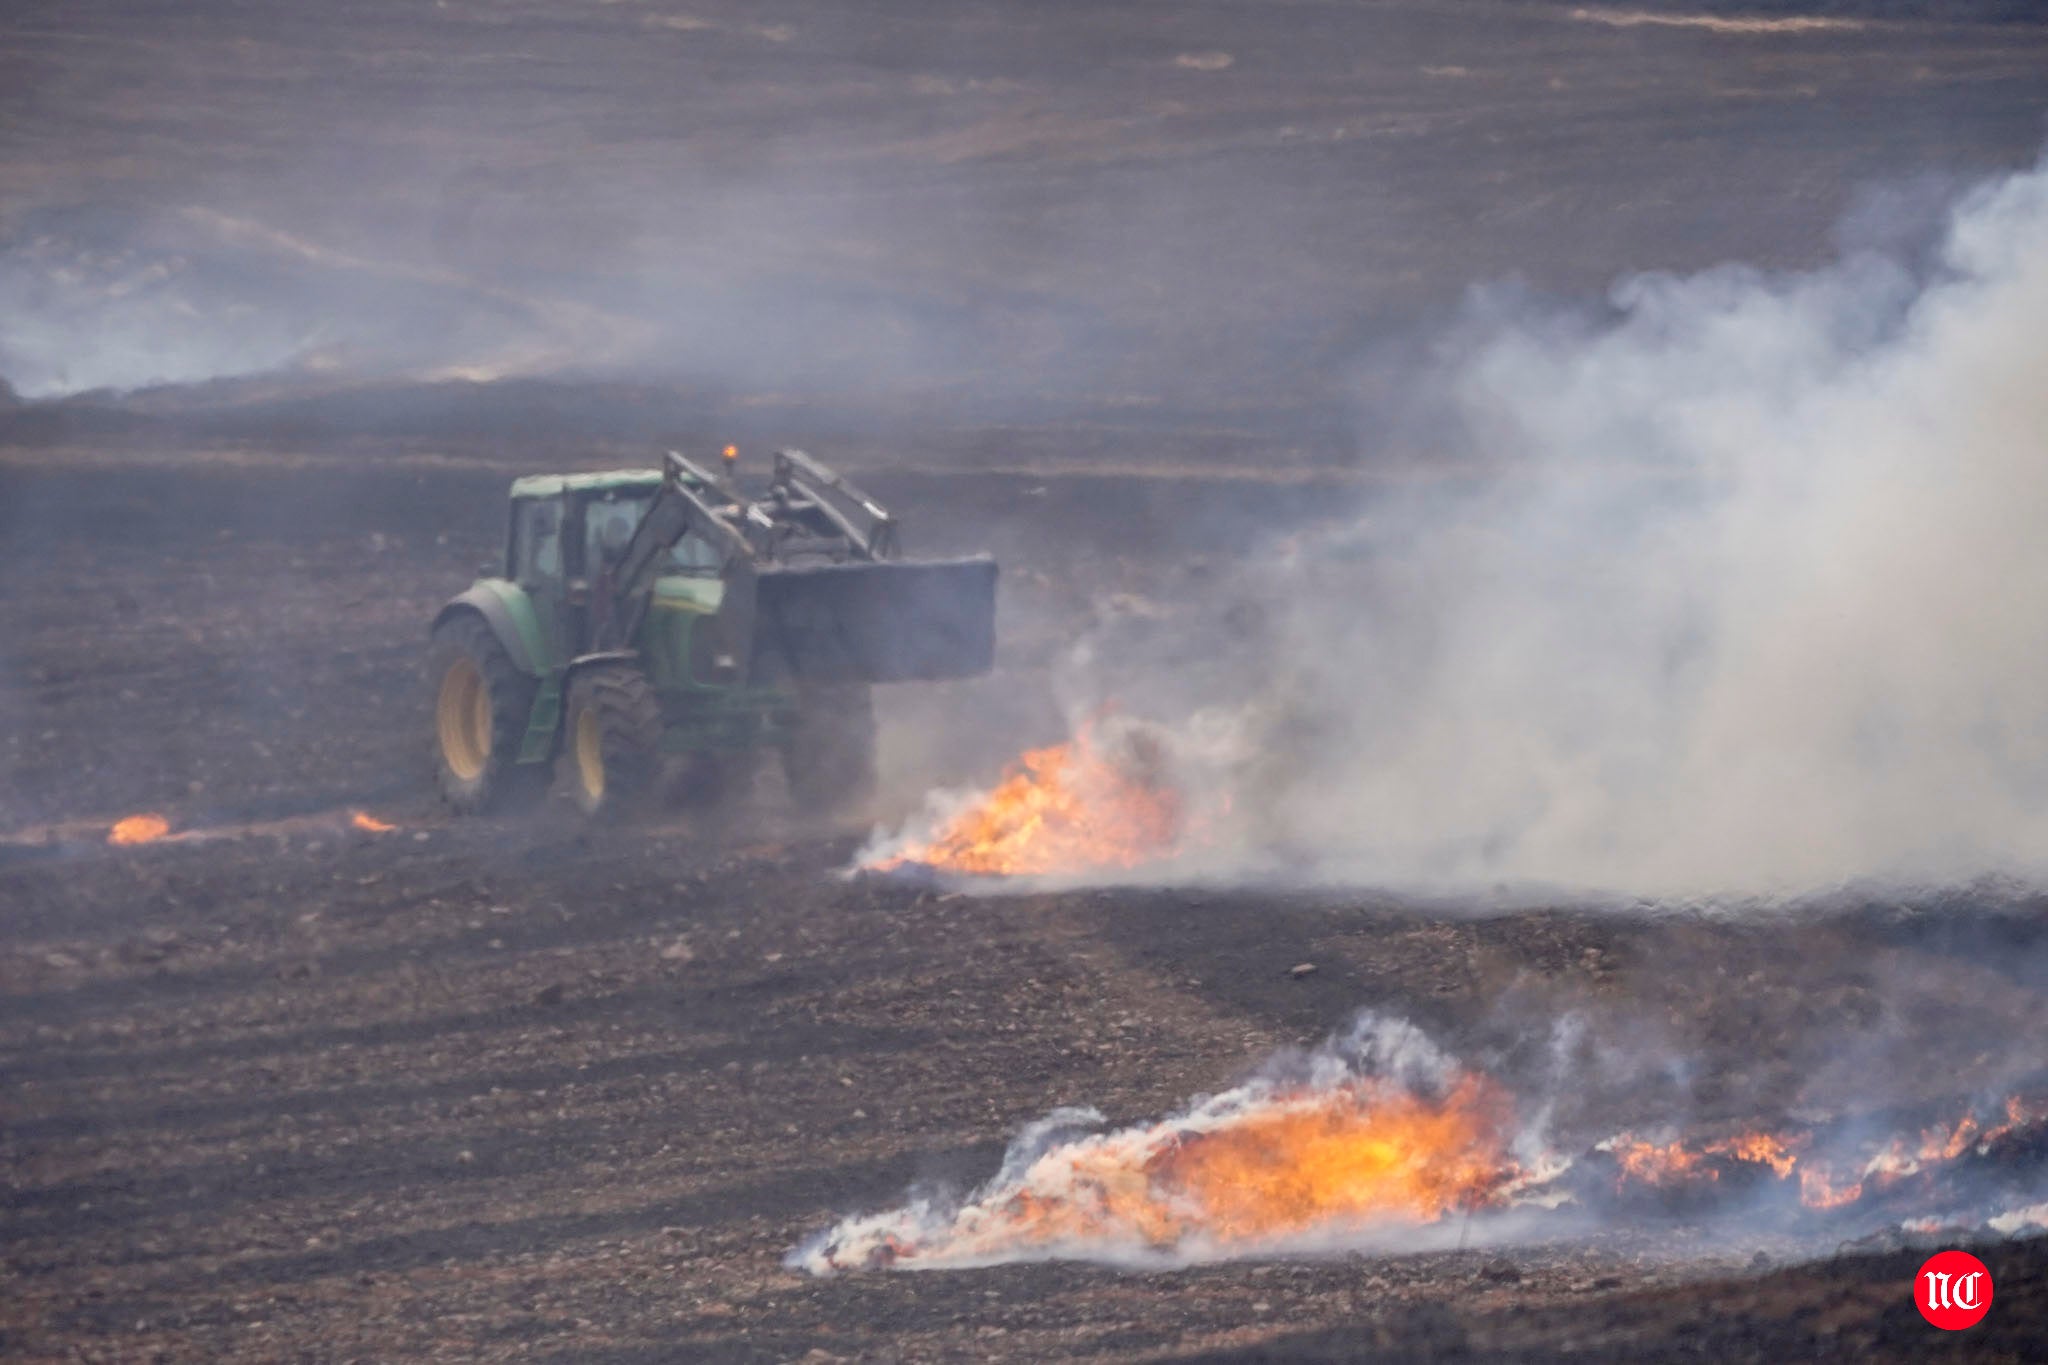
[
  {"x": 1834, "y": 1178},
  {"x": 1676, "y": 1162},
  {"x": 139, "y": 829},
  {"x": 1375, "y": 1130},
  {"x": 1105, "y": 800},
  {"x": 153, "y": 828},
  {"x": 1835, "y": 1184}
]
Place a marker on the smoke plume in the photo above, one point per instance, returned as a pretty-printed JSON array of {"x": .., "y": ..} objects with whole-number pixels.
[{"x": 1738, "y": 589}]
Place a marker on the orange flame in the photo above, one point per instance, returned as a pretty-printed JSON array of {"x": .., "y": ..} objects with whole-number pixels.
[
  {"x": 1364, "y": 1151},
  {"x": 1819, "y": 1188},
  {"x": 1821, "y": 1184},
  {"x": 1677, "y": 1162},
  {"x": 363, "y": 820},
  {"x": 1072, "y": 807},
  {"x": 1376, "y": 1131},
  {"x": 1763, "y": 1149},
  {"x": 1247, "y": 1171},
  {"x": 1655, "y": 1165},
  {"x": 138, "y": 829}
]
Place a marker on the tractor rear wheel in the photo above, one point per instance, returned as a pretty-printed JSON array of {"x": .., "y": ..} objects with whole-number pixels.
[
  {"x": 830, "y": 759},
  {"x": 611, "y": 744},
  {"x": 481, "y": 704}
]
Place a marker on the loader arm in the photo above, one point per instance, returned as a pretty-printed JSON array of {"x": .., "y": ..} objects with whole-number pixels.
[
  {"x": 867, "y": 526},
  {"x": 683, "y": 504},
  {"x": 814, "y": 594}
]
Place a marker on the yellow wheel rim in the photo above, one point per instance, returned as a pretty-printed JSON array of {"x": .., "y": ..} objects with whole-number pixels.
[
  {"x": 590, "y": 754},
  {"x": 462, "y": 716}
]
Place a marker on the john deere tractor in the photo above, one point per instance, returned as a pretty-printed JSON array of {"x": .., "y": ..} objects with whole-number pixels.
[{"x": 661, "y": 629}]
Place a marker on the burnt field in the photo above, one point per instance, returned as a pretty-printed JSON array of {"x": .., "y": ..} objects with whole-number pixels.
[
  {"x": 1539, "y": 427},
  {"x": 988, "y": 235},
  {"x": 514, "y": 1089}
]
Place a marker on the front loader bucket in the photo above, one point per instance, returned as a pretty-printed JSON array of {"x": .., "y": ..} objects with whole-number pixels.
[{"x": 875, "y": 622}]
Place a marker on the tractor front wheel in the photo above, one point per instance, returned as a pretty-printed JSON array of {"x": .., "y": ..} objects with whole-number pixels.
[
  {"x": 481, "y": 703},
  {"x": 611, "y": 743},
  {"x": 830, "y": 758}
]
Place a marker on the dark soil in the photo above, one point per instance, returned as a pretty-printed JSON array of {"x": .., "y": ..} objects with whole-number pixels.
[
  {"x": 1115, "y": 290},
  {"x": 518, "y": 1089}
]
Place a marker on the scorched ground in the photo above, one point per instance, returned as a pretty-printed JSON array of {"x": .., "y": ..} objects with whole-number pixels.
[{"x": 496, "y": 1090}]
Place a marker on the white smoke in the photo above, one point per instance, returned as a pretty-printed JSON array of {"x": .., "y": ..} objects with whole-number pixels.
[
  {"x": 1380, "y": 1139},
  {"x": 1752, "y": 598},
  {"x": 1068, "y": 1191}
]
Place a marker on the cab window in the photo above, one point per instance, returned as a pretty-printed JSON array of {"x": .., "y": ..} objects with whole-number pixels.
[
  {"x": 695, "y": 555},
  {"x": 608, "y": 524},
  {"x": 537, "y": 542}
]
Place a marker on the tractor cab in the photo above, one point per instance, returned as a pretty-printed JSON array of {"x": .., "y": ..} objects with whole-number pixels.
[
  {"x": 567, "y": 535},
  {"x": 565, "y": 526}
]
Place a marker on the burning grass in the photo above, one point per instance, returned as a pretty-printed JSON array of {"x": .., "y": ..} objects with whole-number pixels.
[
  {"x": 1377, "y": 1128},
  {"x": 1826, "y": 1175},
  {"x": 138, "y": 829},
  {"x": 151, "y": 828},
  {"x": 1378, "y": 1134},
  {"x": 1106, "y": 800}
]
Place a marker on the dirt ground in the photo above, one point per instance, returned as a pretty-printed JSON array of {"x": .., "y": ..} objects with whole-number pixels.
[
  {"x": 514, "y": 1089},
  {"x": 1117, "y": 290}
]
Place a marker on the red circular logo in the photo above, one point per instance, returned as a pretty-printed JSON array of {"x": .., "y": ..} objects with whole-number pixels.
[{"x": 1953, "y": 1290}]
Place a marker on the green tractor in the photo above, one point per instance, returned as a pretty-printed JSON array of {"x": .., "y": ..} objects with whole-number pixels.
[{"x": 662, "y": 623}]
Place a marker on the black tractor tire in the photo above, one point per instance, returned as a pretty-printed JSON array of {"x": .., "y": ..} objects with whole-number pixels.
[
  {"x": 611, "y": 741},
  {"x": 829, "y": 761},
  {"x": 481, "y": 702}
]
